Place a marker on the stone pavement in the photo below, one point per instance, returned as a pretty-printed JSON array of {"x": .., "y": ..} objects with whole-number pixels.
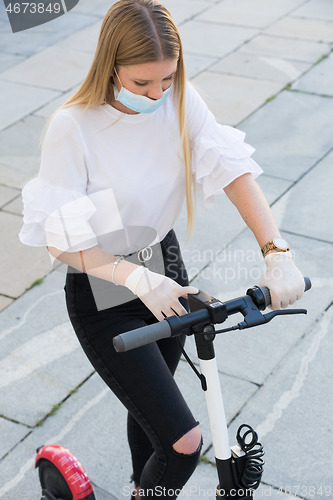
[{"x": 266, "y": 67}]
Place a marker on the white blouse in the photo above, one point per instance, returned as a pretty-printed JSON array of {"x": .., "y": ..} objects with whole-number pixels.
[{"x": 117, "y": 180}]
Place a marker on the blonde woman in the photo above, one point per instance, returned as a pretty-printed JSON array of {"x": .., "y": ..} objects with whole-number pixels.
[{"x": 118, "y": 160}]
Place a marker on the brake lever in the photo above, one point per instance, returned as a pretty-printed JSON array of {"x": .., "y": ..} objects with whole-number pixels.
[
  {"x": 266, "y": 318},
  {"x": 256, "y": 320},
  {"x": 282, "y": 312}
]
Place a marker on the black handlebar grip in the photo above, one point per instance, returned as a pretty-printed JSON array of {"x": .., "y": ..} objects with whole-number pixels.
[
  {"x": 308, "y": 283},
  {"x": 141, "y": 336},
  {"x": 267, "y": 294}
]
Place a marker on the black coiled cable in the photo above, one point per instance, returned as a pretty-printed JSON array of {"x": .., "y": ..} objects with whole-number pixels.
[{"x": 254, "y": 451}]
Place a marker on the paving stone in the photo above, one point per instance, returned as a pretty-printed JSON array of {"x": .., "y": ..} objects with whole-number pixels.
[
  {"x": 257, "y": 13},
  {"x": 98, "y": 8},
  {"x": 235, "y": 392},
  {"x": 11, "y": 433},
  {"x": 84, "y": 40},
  {"x": 20, "y": 151},
  {"x": 25, "y": 43},
  {"x": 82, "y": 425},
  {"x": 213, "y": 40},
  {"x": 272, "y": 188},
  {"x": 304, "y": 199},
  {"x": 36, "y": 324},
  {"x": 7, "y": 194},
  {"x": 8, "y": 60},
  {"x": 184, "y": 10},
  {"x": 21, "y": 265},
  {"x": 40, "y": 354},
  {"x": 286, "y": 48},
  {"x": 203, "y": 483},
  {"x": 233, "y": 98},
  {"x": 291, "y": 133},
  {"x": 216, "y": 227},
  {"x": 88, "y": 438},
  {"x": 310, "y": 29},
  {"x": 292, "y": 415},
  {"x": 52, "y": 68},
  {"x": 319, "y": 79},
  {"x": 98, "y": 456},
  {"x": 27, "y": 99},
  {"x": 240, "y": 266},
  {"x": 92, "y": 456},
  {"x": 315, "y": 9},
  {"x": 49, "y": 296},
  {"x": 48, "y": 365},
  {"x": 4, "y": 302},
  {"x": 15, "y": 206},
  {"x": 92, "y": 424},
  {"x": 34, "y": 40},
  {"x": 260, "y": 67},
  {"x": 3, "y": 19},
  {"x": 195, "y": 63},
  {"x": 51, "y": 106}
]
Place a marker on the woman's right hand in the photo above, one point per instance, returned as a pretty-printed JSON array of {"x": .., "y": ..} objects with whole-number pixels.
[{"x": 159, "y": 293}]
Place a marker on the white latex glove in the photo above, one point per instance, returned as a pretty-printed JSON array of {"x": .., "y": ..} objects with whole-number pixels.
[
  {"x": 283, "y": 278},
  {"x": 159, "y": 293}
]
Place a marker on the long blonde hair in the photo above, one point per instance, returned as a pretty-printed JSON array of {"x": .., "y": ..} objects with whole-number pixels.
[{"x": 135, "y": 32}]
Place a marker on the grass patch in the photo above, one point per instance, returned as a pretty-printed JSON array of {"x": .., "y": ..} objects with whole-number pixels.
[
  {"x": 36, "y": 283},
  {"x": 55, "y": 408},
  {"x": 269, "y": 99},
  {"x": 322, "y": 58},
  {"x": 206, "y": 460}
]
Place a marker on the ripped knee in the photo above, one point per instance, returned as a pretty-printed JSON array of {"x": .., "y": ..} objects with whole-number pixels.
[{"x": 190, "y": 443}]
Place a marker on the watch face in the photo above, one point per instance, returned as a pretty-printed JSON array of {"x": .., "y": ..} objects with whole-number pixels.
[{"x": 281, "y": 243}]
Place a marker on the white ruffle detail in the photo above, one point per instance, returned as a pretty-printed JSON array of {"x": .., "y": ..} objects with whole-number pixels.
[
  {"x": 218, "y": 158},
  {"x": 58, "y": 217}
]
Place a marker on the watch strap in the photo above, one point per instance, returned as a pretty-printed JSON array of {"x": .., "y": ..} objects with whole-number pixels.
[{"x": 271, "y": 246}]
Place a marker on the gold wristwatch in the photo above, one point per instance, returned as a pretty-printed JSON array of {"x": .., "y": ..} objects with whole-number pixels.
[{"x": 278, "y": 244}]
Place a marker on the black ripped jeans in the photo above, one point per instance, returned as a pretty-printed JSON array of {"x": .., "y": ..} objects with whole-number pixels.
[{"x": 142, "y": 379}]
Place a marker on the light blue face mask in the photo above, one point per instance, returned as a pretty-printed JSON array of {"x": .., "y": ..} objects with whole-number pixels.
[{"x": 136, "y": 102}]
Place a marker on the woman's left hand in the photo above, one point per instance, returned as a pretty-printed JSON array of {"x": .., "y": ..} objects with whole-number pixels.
[{"x": 283, "y": 278}]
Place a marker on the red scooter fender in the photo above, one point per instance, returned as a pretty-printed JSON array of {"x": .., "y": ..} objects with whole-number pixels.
[{"x": 73, "y": 474}]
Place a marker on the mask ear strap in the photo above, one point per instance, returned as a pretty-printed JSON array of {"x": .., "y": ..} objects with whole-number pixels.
[{"x": 117, "y": 76}]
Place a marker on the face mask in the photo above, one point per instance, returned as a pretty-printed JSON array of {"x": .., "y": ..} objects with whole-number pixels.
[{"x": 136, "y": 102}]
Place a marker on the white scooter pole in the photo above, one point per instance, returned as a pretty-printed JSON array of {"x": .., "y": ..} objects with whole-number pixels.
[
  {"x": 215, "y": 409},
  {"x": 228, "y": 487}
]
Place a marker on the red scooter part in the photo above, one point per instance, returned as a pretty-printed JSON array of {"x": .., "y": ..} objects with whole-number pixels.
[{"x": 61, "y": 475}]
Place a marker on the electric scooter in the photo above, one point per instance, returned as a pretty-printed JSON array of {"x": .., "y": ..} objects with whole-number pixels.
[{"x": 240, "y": 467}]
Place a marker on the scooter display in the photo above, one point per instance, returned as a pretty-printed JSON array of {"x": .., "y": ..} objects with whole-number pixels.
[{"x": 240, "y": 467}]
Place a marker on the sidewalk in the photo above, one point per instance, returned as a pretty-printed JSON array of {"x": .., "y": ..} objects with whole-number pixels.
[{"x": 266, "y": 67}]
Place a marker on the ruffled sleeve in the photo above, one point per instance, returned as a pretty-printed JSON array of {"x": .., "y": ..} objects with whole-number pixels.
[
  {"x": 56, "y": 209},
  {"x": 219, "y": 153},
  {"x": 57, "y": 217}
]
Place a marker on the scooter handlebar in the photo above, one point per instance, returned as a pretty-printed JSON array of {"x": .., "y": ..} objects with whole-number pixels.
[
  {"x": 267, "y": 294},
  {"x": 142, "y": 336},
  {"x": 162, "y": 329}
]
